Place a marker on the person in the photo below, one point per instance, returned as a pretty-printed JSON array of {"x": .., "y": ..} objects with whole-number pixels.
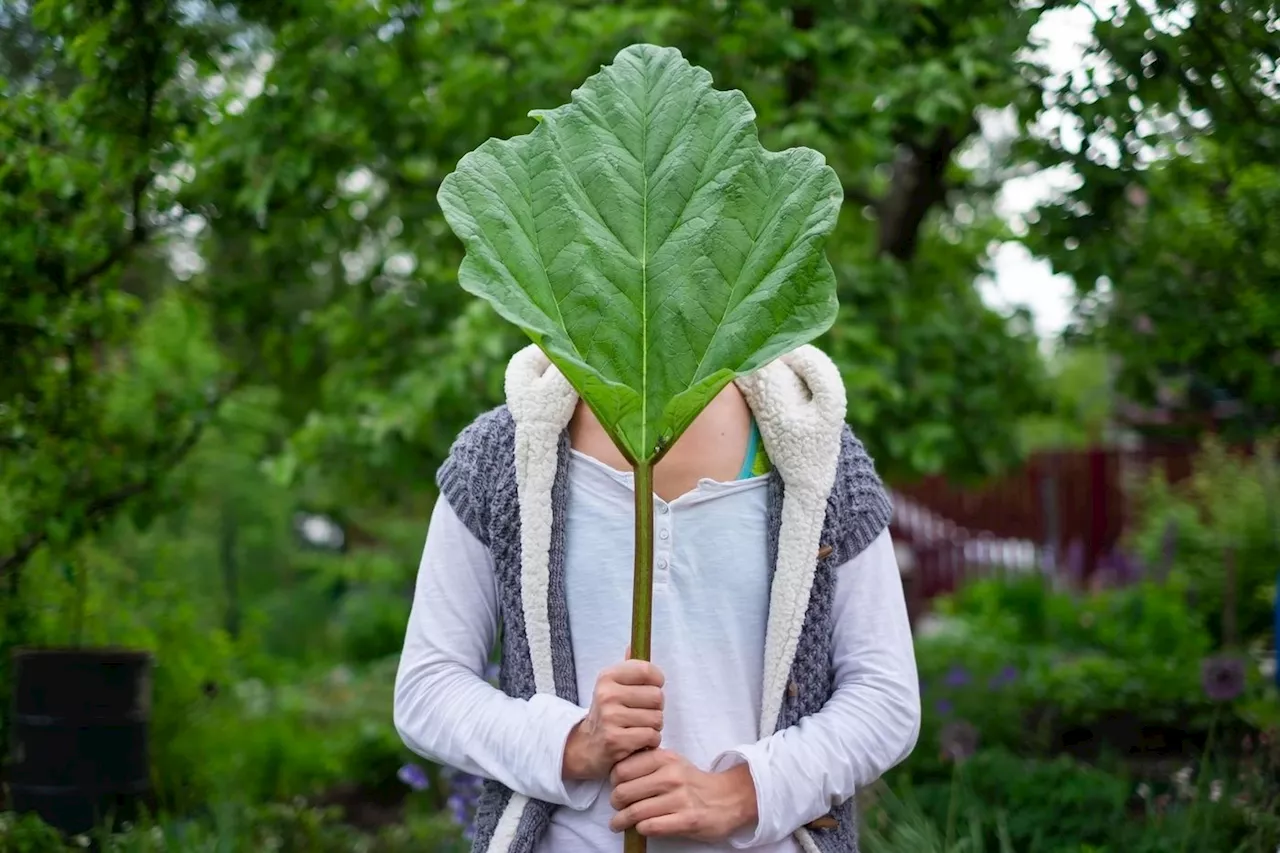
[{"x": 783, "y": 676}]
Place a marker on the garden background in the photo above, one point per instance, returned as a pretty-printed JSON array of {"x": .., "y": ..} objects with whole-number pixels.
[{"x": 233, "y": 353}]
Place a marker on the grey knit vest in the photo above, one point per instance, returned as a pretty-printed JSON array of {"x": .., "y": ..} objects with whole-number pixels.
[{"x": 480, "y": 481}]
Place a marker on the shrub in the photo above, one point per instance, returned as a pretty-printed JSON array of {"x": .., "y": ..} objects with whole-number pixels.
[
  {"x": 1229, "y": 502},
  {"x": 282, "y": 828},
  {"x": 999, "y": 801},
  {"x": 371, "y": 624}
]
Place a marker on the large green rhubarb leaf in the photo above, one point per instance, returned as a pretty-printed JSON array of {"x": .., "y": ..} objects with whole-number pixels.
[{"x": 643, "y": 237}]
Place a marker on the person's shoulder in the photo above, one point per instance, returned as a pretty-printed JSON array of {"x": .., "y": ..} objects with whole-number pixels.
[
  {"x": 475, "y": 465},
  {"x": 491, "y": 428},
  {"x": 859, "y": 507}
]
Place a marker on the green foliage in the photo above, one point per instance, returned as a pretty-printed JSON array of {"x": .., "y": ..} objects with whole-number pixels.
[
  {"x": 86, "y": 137},
  {"x": 371, "y": 624},
  {"x": 1168, "y": 232},
  {"x": 245, "y": 628},
  {"x": 1080, "y": 412},
  {"x": 290, "y": 828},
  {"x": 1113, "y": 676},
  {"x": 257, "y": 742},
  {"x": 896, "y": 824},
  {"x": 643, "y": 238},
  {"x": 1145, "y": 619},
  {"x": 394, "y": 386},
  {"x": 1228, "y": 510},
  {"x": 27, "y": 834},
  {"x": 1004, "y": 802},
  {"x": 198, "y": 199},
  {"x": 1045, "y": 805},
  {"x": 1105, "y": 675},
  {"x": 224, "y": 258}
]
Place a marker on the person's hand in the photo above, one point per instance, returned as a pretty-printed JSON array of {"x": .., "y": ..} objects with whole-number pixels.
[
  {"x": 625, "y": 716},
  {"x": 661, "y": 794}
]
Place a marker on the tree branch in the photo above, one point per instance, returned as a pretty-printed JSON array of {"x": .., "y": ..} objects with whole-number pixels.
[
  {"x": 1225, "y": 69},
  {"x": 100, "y": 508},
  {"x": 802, "y": 74},
  {"x": 919, "y": 182},
  {"x": 113, "y": 257}
]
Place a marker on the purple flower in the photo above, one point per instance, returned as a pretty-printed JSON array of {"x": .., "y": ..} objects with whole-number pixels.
[
  {"x": 959, "y": 741},
  {"x": 414, "y": 776},
  {"x": 464, "y": 798},
  {"x": 957, "y": 676},
  {"x": 1003, "y": 678},
  {"x": 1222, "y": 677},
  {"x": 943, "y": 707},
  {"x": 1143, "y": 325},
  {"x": 460, "y": 809},
  {"x": 1120, "y": 569},
  {"x": 491, "y": 672}
]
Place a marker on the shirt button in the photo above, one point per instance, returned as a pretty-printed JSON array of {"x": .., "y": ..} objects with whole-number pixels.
[
  {"x": 664, "y": 534},
  {"x": 662, "y": 564},
  {"x": 663, "y": 509}
]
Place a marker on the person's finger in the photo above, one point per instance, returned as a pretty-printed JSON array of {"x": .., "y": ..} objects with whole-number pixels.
[
  {"x": 636, "y": 672},
  {"x": 646, "y": 787},
  {"x": 676, "y": 824},
  {"x": 643, "y": 696},
  {"x": 638, "y": 765},
  {"x": 631, "y": 717},
  {"x": 653, "y": 807}
]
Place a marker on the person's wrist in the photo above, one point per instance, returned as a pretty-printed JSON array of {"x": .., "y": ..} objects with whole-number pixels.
[
  {"x": 739, "y": 798},
  {"x": 574, "y": 767}
]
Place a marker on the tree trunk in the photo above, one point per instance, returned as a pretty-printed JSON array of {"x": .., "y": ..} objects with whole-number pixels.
[{"x": 919, "y": 183}]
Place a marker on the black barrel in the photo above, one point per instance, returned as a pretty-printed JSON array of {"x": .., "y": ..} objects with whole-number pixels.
[{"x": 79, "y": 755}]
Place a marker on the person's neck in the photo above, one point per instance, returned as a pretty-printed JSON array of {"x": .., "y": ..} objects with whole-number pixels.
[{"x": 713, "y": 446}]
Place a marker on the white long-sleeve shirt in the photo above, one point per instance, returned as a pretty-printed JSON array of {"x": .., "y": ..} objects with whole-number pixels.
[{"x": 710, "y": 610}]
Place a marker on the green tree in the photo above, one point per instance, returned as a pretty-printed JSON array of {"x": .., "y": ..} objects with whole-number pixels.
[
  {"x": 198, "y": 197},
  {"x": 888, "y": 93},
  {"x": 1172, "y": 126}
]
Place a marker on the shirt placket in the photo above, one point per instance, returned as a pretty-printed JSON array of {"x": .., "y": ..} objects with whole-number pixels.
[{"x": 663, "y": 537}]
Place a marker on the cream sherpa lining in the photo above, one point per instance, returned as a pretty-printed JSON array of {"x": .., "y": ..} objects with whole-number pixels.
[{"x": 542, "y": 402}]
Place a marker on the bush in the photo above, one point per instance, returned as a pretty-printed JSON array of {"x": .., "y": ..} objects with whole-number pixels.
[
  {"x": 1231, "y": 503},
  {"x": 371, "y": 624},
  {"x": 282, "y": 828},
  {"x": 1145, "y": 619},
  {"x": 1002, "y": 802},
  {"x": 26, "y": 834},
  {"x": 1112, "y": 676},
  {"x": 1017, "y": 653}
]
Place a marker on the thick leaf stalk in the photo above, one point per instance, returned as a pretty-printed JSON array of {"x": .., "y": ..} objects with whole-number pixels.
[{"x": 642, "y": 596}]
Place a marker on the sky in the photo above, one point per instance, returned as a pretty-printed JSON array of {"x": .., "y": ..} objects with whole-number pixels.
[{"x": 1018, "y": 278}]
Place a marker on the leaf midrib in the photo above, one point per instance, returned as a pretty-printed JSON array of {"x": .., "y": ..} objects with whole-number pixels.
[{"x": 644, "y": 269}]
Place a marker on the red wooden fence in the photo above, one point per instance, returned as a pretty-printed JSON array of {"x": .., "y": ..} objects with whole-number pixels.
[{"x": 1062, "y": 512}]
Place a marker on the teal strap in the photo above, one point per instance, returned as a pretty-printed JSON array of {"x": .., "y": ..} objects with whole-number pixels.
[{"x": 753, "y": 443}]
